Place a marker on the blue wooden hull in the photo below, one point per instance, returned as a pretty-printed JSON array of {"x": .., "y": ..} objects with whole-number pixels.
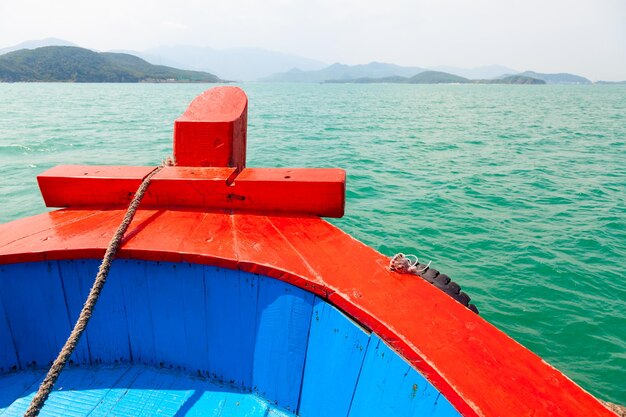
[{"x": 183, "y": 339}]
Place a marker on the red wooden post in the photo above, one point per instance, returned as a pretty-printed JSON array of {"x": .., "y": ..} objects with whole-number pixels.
[{"x": 212, "y": 131}]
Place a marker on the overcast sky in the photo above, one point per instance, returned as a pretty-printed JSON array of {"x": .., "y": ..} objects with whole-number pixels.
[{"x": 587, "y": 37}]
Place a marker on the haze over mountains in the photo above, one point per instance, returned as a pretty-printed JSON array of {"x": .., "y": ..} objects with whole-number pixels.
[
  {"x": 242, "y": 64},
  {"x": 256, "y": 64},
  {"x": 339, "y": 71},
  {"x": 32, "y": 44}
]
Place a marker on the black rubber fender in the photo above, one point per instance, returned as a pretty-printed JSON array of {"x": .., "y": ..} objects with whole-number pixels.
[
  {"x": 401, "y": 263},
  {"x": 445, "y": 284}
]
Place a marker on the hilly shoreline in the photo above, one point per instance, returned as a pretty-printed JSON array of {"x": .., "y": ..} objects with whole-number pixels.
[
  {"x": 56, "y": 60},
  {"x": 74, "y": 64},
  {"x": 439, "y": 77},
  {"x": 378, "y": 72}
]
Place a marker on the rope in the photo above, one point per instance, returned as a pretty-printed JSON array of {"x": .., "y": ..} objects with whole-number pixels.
[
  {"x": 404, "y": 264},
  {"x": 81, "y": 324}
]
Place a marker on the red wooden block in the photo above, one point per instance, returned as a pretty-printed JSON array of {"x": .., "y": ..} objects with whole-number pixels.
[
  {"x": 195, "y": 187},
  {"x": 316, "y": 191},
  {"x": 296, "y": 191},
  {"x": 301, "y": 191},
  {"x": 90, "y": 186},
  {"x": 212, "y": 131}
]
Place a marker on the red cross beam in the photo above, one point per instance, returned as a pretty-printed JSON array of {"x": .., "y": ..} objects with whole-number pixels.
[{"x": 209, "y": 172}]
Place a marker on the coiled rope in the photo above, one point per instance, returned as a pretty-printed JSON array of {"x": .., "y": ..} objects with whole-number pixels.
[
  {"x": 409, "y": 264},
  {"x": 85, "y": 314}
]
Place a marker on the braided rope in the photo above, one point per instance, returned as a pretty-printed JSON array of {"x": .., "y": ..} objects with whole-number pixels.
[{"x": 81, "y": 324}]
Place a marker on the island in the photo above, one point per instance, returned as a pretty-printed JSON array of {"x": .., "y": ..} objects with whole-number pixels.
[
  {"x": 74, "y": 64},
  {"x": 438, "y": 77}
]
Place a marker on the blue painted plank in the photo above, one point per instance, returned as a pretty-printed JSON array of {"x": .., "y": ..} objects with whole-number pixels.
[
  {"x": 213, "y": 401},
  {"x": 249, "y": 405},
  {"x": 115, "y": 403},
  {"x": 139, "y": 310},
  {"x": 34, "y": 304},
  {"x": 276, "y": 412},
  {"x": 107, "y": 332},
  {"x": 190, "y": 279},
  {"x": 77, "y": 392},
  {"x": 231, "y": 303},
  {"x": 389, "y": 386},
  {"x": 118, "y": 388},
  {"x": 334, "y": 358},
  {"x": 166, "y": 303},
  {"x": 15, "y": 385},
  {"x": 75, "y": 276},
  {"x": 137, "y": 390},
  {"x": 283, "y": 320},
  {"x": 8, "y": 355},
  {"x": 109, "y": 390},
  {"x": 172, "y": 393},
  {"x": 154, "y": 392},
  {"x": 177, "y": 301},
  {"x": 21, "y": 402}
]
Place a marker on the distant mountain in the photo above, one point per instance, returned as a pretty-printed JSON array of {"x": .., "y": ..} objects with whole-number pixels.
[
  {"x": 246, "y": 64},
  {"x": 393, "y": 79},
  {"x": 72, "y": 64},
  {"x": 438, "y": 77},
  {"x": 344, "y": 72},
  {"x": 484, "y": 72},
  {"x": 610, "y": 82},
  {"x": 241, "y": 64},
  {"x": 512, "y": 79},
  {"x": 36, "y": 44},
  {"x": 561, "y": 78}
]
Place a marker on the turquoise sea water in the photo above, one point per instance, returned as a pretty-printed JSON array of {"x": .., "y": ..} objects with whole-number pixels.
[{"x": 517, "y": 192}]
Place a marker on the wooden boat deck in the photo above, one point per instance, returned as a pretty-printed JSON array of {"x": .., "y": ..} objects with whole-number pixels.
[{"x": 130, "y": 390}]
